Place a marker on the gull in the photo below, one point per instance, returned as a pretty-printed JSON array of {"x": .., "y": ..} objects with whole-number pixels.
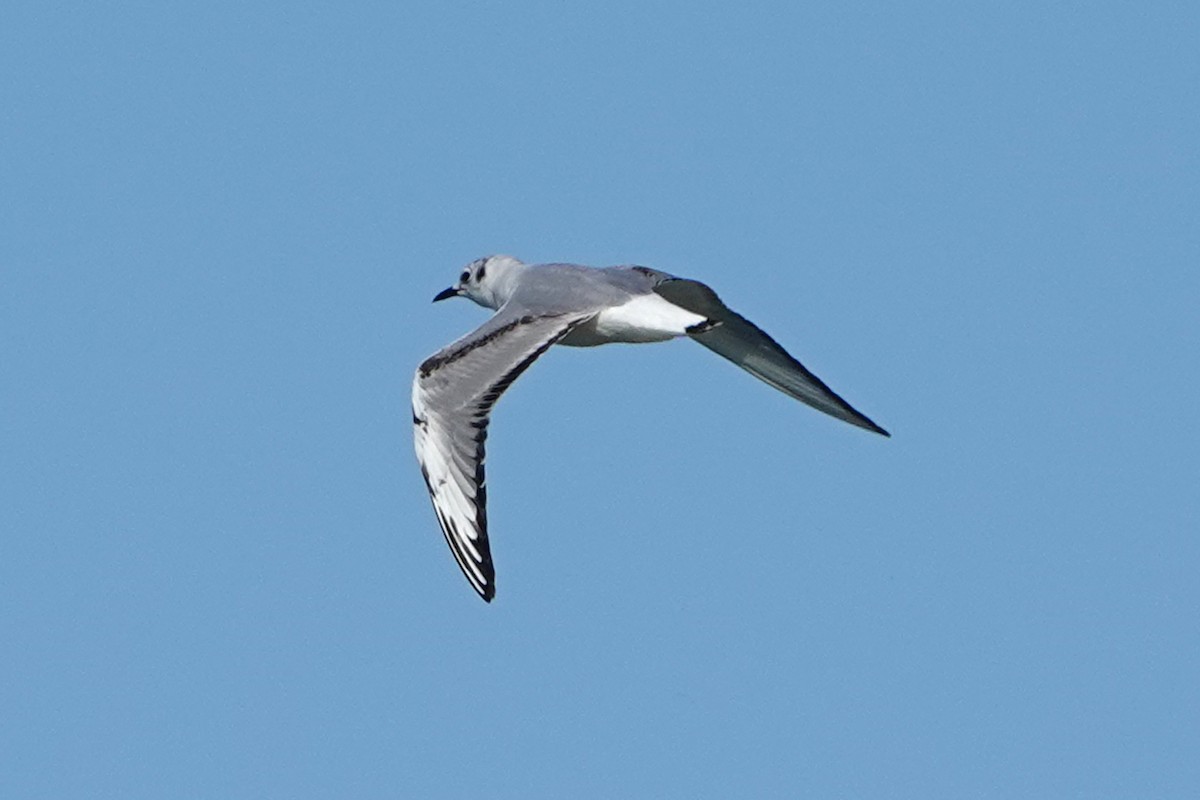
[{"x": 539, "y": 305}]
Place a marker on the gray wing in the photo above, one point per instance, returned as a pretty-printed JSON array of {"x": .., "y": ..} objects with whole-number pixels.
[
  {"x": 453, "y": 394},
  {"x": 742, "y": 342}
]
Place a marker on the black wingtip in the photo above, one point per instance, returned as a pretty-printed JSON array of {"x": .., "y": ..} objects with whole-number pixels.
[
  {"x": 488, "y": 593},
  {"x": 860, "y": 420},
  {"x": 876, "y": 429}
]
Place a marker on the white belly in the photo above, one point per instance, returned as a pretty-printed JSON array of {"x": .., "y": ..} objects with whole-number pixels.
[{"x": 646, "y": 318}]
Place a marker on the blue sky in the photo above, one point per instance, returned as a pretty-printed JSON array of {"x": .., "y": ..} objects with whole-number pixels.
[{"x": 220, "y": 229}]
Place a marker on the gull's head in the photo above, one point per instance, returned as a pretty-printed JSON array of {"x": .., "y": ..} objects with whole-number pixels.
[{"x": 488, "y": 281}]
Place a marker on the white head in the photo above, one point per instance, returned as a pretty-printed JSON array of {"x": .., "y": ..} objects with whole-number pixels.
[{"x": 488, "y": 281}]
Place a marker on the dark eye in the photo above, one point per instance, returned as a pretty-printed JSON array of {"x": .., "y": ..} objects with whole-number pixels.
[
  {"x": 463, "y": 278},
  {"x": 479, "y": 275}
]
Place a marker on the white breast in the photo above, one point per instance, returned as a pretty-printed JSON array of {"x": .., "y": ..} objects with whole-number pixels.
[{"x": 646, "y": 318}]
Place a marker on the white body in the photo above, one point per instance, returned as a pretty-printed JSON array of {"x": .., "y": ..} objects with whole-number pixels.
[{"x": 648, "y": 318}]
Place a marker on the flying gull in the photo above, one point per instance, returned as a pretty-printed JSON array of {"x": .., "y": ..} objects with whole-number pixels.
[{"x": 539, "y": 305}]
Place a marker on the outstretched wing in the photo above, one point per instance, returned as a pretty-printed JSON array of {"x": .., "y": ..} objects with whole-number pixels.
[
  {"x": 742, "y": 342},
  {"x": 453, "y": 394}
]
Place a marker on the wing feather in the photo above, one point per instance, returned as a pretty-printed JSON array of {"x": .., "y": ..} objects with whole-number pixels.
[
  {"x": 745, "y": 344},
  {"x": 452, "y": 397}
]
